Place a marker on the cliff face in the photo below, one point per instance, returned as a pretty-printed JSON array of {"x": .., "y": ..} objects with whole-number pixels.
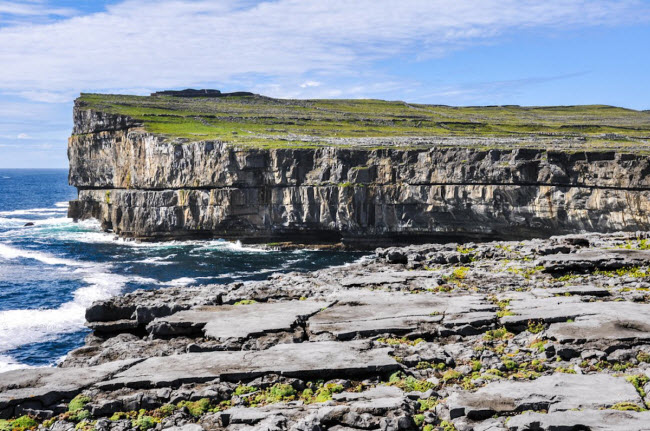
[{"x": 140, "y": 185}]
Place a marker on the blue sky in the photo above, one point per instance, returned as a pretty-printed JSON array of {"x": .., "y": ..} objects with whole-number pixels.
[{"x": 462, "y": 52}]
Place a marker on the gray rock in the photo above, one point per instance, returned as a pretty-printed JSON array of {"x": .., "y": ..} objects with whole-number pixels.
[
  {"x": 48, "y": 386},
  {"x": 236, "y": 321},
  {"x": 365, "y": 313},
  {"x": 323, "y": 360},
  {"x": 556, "y": 392},
  {"x": 593, "y": 420},
  {"x": 590, "y": 260},
  {"x": 188, "y": 427}
]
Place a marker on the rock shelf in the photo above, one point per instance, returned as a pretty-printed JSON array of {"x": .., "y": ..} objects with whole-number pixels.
[{"x": 543, "y": 334}]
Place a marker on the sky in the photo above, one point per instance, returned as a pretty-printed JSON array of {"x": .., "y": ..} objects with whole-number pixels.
[{"x": 454, "y": 52}]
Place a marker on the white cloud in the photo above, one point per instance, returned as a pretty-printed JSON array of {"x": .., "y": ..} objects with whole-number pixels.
[
  {"x": 163, "y": 44},
  {"x": 32, "y": 8},
  {"x": 23, "y": 136},
  {"x": 308, "y": 84}
]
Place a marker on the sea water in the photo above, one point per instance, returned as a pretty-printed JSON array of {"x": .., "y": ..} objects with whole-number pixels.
[{"x": 51, "y": 271}]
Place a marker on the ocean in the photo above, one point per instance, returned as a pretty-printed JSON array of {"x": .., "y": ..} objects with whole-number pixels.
[{"x": 50, "y": 272}]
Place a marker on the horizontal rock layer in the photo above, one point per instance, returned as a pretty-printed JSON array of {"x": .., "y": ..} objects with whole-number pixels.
[{"x": 141, "y": 186}]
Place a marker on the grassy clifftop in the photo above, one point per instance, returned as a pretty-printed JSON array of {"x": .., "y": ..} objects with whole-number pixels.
[{"x": 267, "y": 122}]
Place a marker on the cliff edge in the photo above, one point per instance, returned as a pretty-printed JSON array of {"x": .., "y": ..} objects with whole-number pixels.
[{"x": 361, "y": 171}]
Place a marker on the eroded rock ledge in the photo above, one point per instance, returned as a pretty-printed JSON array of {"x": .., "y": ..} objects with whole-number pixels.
[
  {"x": 359, "y": 190},
  {"x": 533, "y": 335}
]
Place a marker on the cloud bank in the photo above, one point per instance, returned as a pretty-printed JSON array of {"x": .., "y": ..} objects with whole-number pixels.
[{"x": 283, "y": 47}]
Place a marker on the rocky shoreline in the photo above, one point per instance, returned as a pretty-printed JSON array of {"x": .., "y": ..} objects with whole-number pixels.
[{"x": 544, "y": 334}]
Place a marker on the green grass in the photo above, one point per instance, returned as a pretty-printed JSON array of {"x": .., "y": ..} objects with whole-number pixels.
[{"x": 276, "y": 123}]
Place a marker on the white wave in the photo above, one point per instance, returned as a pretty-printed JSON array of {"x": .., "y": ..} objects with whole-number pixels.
[
  {"x": 227, "y": 245},
  {"x": 63, "y": 204},
  {"x": 34, "y": 211},
  {"x": 8, "y": 364},
  {"x": 8, "y": 252},
  {"x": 13, "y": 222},
  {"x": 157, "y": 260},
  {"x": 183, "y": 281},
  {"x": 21, "y": 327},
  {"x": 39, "y": 224}
]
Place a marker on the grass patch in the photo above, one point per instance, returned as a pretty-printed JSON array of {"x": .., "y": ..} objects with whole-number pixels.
[
  {"x": 400, "y": 341},
  {"x": 497, "y": 334},
  {"x": 267, "y": 123}
]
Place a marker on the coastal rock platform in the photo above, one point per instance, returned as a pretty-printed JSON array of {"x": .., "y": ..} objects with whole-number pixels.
[{"x": 544, "y": 334}]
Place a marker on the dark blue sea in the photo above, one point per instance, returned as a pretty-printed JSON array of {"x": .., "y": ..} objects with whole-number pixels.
[{"x": 50, "y": 272}]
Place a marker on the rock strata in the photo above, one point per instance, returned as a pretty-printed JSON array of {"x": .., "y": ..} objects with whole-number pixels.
[
  {"x": 362, "y": 190},
  {"x": 432, "y": 337}
]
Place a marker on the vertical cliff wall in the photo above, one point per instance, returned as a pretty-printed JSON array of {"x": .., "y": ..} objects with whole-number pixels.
[{"x": 140, "y": 185}]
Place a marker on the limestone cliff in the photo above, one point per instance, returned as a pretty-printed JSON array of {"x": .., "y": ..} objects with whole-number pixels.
[{"x": 142, "y": 184}]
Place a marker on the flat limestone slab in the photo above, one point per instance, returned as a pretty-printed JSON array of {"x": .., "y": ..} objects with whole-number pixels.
[
  {"x": 589, "y": 260},
  {"x": 51, "y": 385},
  {"x": 380, "y": 278},
  {"x": 237, "y": 321},
  {"x": 602, "y": 322},
  {"x": 371, "y": 405},
  {"x": 322, "y": 360},
  {"x": 573, "y": 290},
  {"x": 368, "y": 313},
  {"x": 557, "y": 392},
  {"x": 593, "y": 420}
]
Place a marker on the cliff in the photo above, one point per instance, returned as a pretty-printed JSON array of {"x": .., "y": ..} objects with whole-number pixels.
[{"x": 254, "y": 168}]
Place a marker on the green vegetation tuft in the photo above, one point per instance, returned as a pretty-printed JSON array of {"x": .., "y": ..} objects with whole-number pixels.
[
  {"x": 78, "y": 403},
  {"x": 634, "y": 271},
  {"x": 397, "y": 341},
  {"x": 20, "y": 424},
  {"x": 246, "y": 302},
  {"x": 243, "y": 390},
  {"x": 196, "y": 408},
  {"x": 535, "y": 327},
  {"x": 497, "y": 334},
  {"x": 409, "y": 383},
  {"x": 627, "y": 407}
]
